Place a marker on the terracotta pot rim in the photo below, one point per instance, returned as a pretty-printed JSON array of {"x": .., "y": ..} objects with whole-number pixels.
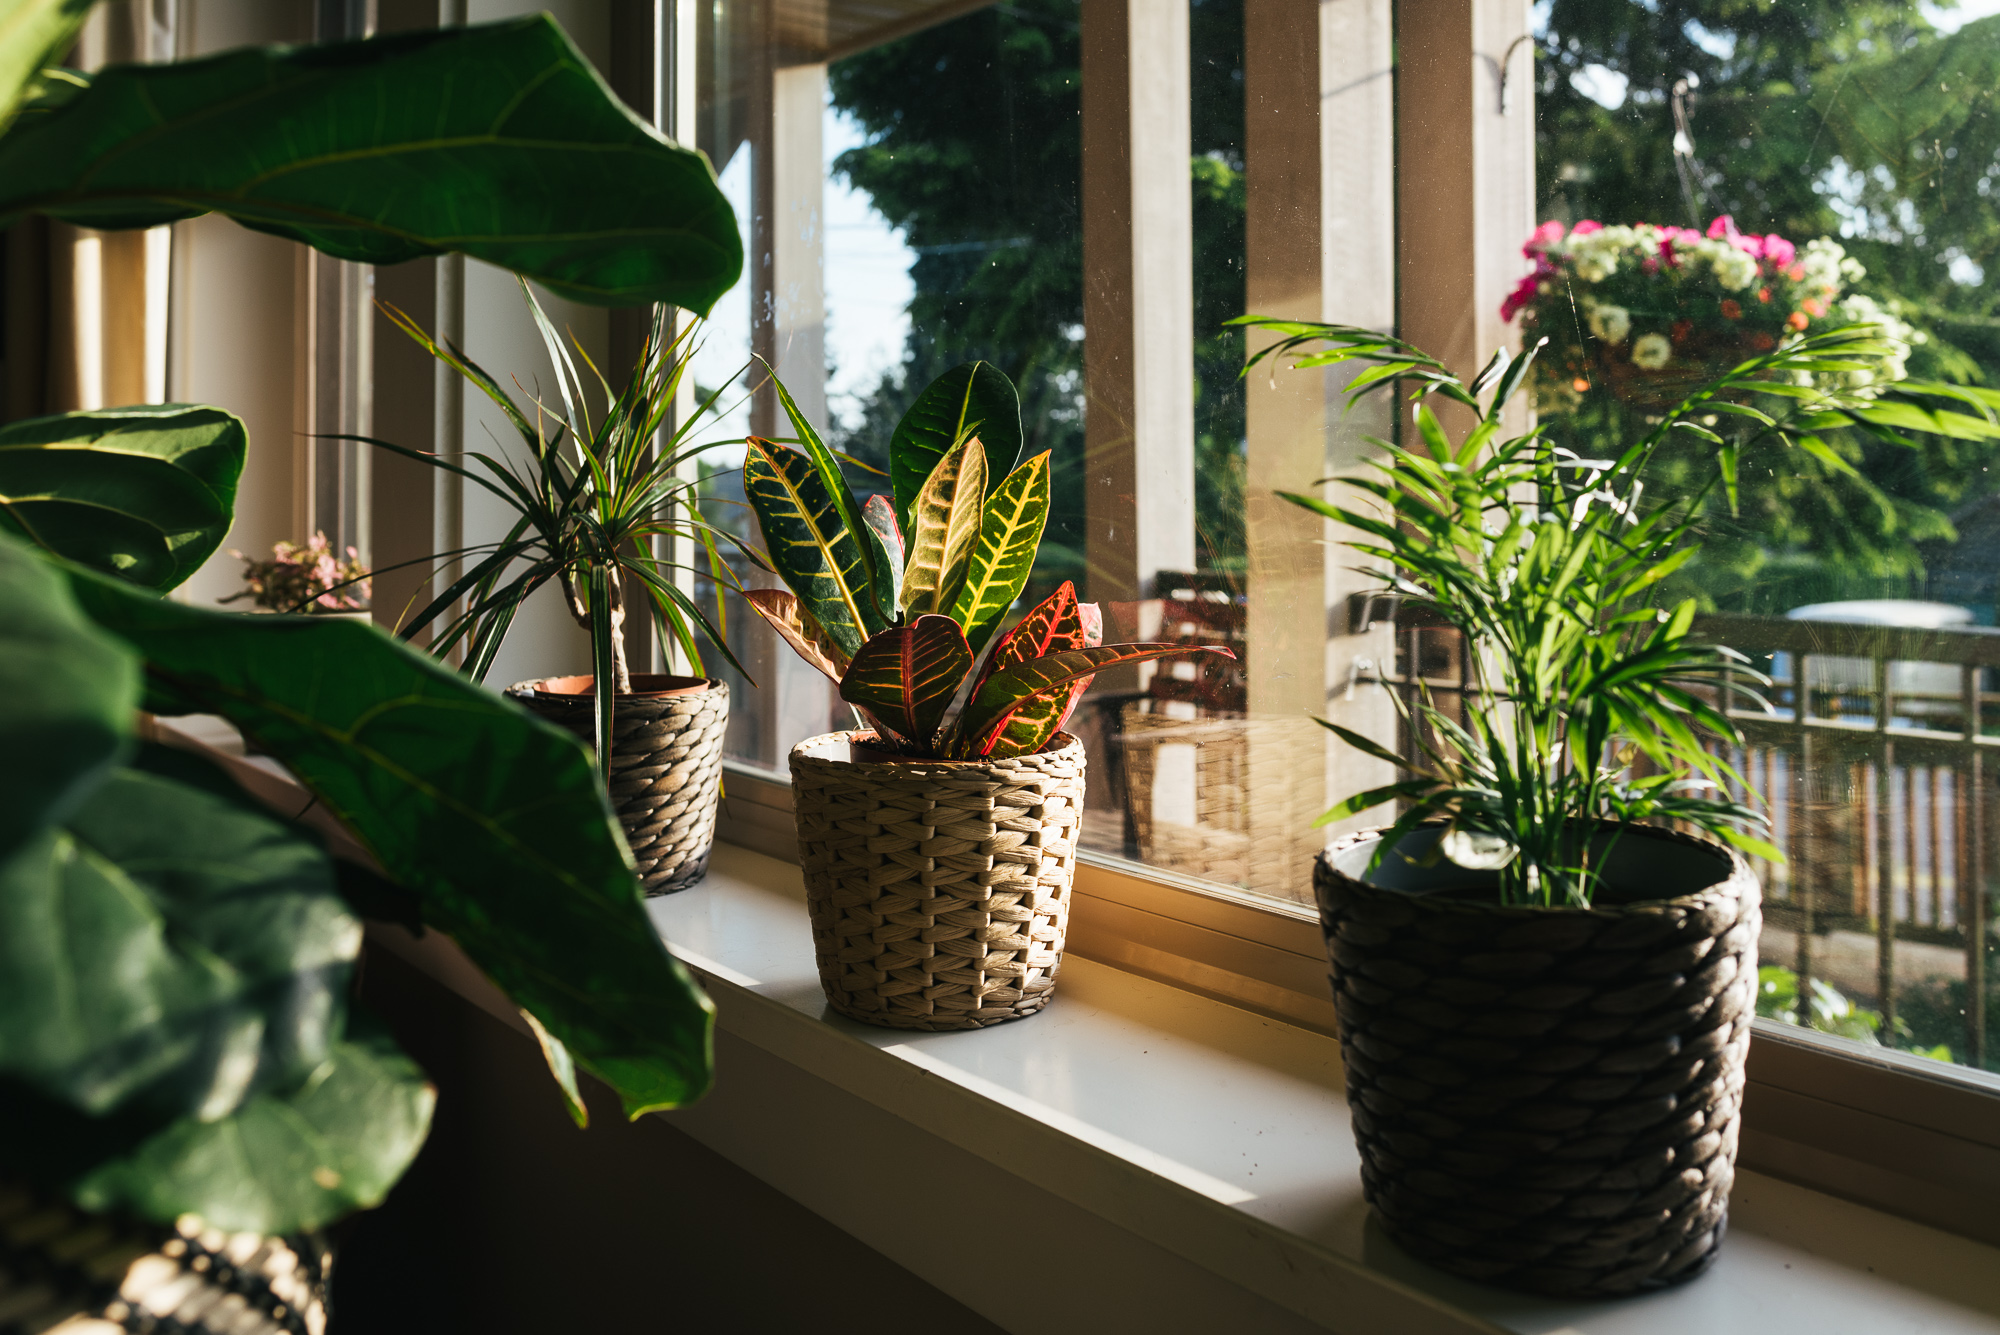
[{"x": 559, "y": 688}]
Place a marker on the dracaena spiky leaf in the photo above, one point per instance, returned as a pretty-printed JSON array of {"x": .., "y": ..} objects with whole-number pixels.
[
  {"x": 1011, "y": 688},
  {"x": 907, "y": 675},
  {"x": 944, "y": 522}
]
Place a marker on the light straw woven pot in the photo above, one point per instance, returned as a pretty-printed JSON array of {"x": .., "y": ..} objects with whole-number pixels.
[
  {"x": 939, "y": 890},
  {"x": 666, "y": 768},
  {"x": 1547, "y": 1099}
]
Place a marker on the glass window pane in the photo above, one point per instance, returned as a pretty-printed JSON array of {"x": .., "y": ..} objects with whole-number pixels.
[{"x": 1837, "y": 162}]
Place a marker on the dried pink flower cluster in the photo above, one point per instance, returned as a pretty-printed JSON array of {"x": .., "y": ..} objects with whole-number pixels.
[{"x": 309, "y": 578}]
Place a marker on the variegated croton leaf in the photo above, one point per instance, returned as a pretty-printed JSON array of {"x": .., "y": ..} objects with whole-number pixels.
[
  {"x": 907, "y": 675},
  {"x": 1060, "y": 622},
  {"x": 1011, "y": 688},
  {"x": 807, "y": 638}
]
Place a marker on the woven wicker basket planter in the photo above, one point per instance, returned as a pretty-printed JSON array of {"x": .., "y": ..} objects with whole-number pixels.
[
  {"x": 66, "y": 1269},
  {"x": 666, "y": 765},
  {"x": 1547, "y": 1099},
  {"x": 939, "y": 890}
]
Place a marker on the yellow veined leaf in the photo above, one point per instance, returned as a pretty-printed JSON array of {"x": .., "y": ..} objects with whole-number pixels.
[
  {"x": 1010, "y": 532},
  {"x": 944, "y": 522}
]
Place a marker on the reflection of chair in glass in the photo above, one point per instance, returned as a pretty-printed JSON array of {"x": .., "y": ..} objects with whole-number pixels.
[{"x": 1183, "y": 739}]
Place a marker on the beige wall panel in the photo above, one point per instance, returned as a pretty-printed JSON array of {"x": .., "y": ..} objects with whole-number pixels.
[{"x": 233, "y": 346}]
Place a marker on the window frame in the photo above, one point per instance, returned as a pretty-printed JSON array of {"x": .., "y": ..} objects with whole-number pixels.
[{"x": 1887, "y": 1130}]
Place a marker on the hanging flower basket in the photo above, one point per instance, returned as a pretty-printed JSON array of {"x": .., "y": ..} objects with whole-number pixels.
[{"x": 1650, "y": 314}]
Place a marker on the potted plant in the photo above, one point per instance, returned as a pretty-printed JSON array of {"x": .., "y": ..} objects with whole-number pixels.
[
  {"x": 1546, "y": 967},
  {"x": 591, "y": 499},
  {"x": 219, "y": 1082},
  {"x": 305, "y": 578},
  {"x": 1653, "y": 313},
  {"x": 938, "y": 844}
]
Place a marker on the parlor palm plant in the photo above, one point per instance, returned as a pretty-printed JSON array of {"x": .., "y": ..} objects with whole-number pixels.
[
  {"x": 1545, "y": 998},
  {"x": 1549, "y": 565}
]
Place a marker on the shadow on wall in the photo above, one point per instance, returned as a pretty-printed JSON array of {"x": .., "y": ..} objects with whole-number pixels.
[{"x": 512, "y": 1220}]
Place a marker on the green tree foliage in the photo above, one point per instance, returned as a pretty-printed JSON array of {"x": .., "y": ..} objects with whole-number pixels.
[
  {"x": 974, "y": 150},
  {"x": 1857, "y": 119}
]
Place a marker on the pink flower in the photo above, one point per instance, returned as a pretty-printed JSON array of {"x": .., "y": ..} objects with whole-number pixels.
[
  {"x": 1586, "y": 227},
  {"x": 1723, "y": 229},
  {"x": 1523, "y": 295},
  {"x": 1548, "y": 234},
  {"x": 1778, "y": 252}
]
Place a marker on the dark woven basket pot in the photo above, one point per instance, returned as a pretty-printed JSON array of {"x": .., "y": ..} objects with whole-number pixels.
[
  {"x": 1547, "y": 1099},
  {"x": 666, "y": 769},
  {"x": 63, "y": 1268},
  {"x": 939, "y": 890}
]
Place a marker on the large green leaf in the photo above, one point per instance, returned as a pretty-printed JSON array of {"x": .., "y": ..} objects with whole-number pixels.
[
  {"x": 907, "y": 675},
  {"x": 167, "y": 940},
  {"x": 1009, "y": 689},
  {"x": 288, "y": 1159},
  {"x": 67, "y": 692},
  {"x": 944, "y": 522},
  {"x": 146, "y": 493},
  {"x": 812, "y": 548},
  {"x": 972, "y": 399},
  {"x": 33, "y": 35},
  {"x": 1010, "y": 532},
  {"x": 497, "y": 141},
  {"x": 491, "y": 818}
]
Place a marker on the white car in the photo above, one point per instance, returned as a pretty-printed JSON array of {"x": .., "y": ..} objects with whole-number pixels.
[{"x": 1919, "y": 690}]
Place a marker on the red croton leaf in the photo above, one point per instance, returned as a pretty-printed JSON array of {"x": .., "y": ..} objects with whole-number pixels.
[
  {"x": 906, "y": 675},
  {"x": 1060, "y": 622},
  {"x": 1009, "y": 689}
]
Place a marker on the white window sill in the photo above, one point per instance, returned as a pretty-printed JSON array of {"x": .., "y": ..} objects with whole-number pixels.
[{"x": 1137, "y": 1155}]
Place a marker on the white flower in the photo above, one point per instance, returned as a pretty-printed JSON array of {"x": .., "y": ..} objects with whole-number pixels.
[
  {"x": 1610, "y": 323},
  {"x": 1897, "y": 332},
  {"x": 1651, "y": 352},
  {"x": 1826, "y": 262},
  {"x": 1734, "y": 269}
]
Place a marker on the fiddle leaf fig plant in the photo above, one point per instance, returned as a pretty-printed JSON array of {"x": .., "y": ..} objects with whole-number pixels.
[
  {"x": 1551, "y": 567},
  {"x": 896, "y": 603},
  {"x": 408, "y": 133},
  {"x": 175, "y": 959}
]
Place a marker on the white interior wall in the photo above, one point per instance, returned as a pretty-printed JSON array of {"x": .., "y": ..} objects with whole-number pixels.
[{"x": 500, "y": 335}]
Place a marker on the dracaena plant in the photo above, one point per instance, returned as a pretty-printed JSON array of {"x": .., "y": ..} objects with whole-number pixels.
[
  {"x": 1550, "y": 565},
  {"x": 895, "y": 599},
  {"x": 590, "y": 496}
]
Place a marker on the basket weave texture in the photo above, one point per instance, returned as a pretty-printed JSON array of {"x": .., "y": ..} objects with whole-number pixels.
[
  {"x": 1546, "y": 1099},
  {"x": 666, "y": 773},
  {"x": 66, "y": 1269},
  {"x": 939, "y": 890}
]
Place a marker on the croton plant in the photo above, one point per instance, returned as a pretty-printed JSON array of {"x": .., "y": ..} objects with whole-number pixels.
[{"x": 895, "y": 599}]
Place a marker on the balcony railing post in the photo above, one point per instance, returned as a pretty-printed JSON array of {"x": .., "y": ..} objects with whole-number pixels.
[{"x": 1799, "y": 828}]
